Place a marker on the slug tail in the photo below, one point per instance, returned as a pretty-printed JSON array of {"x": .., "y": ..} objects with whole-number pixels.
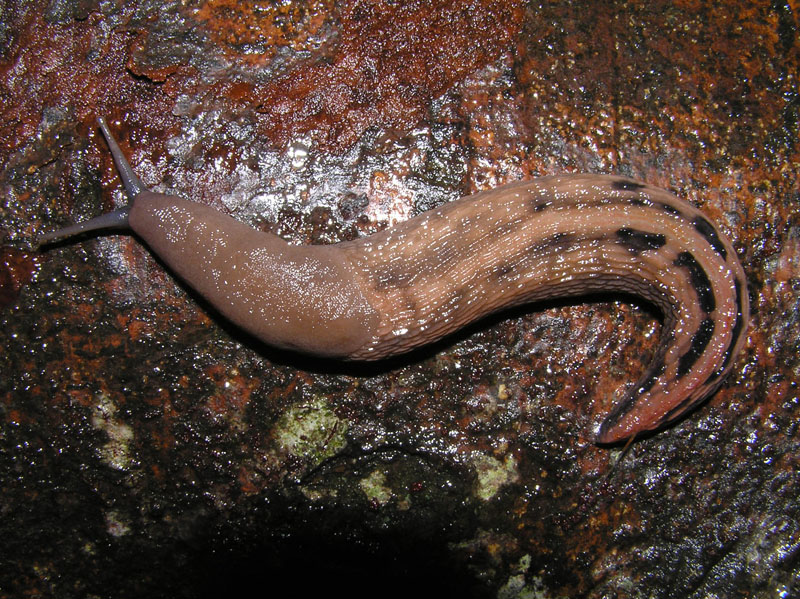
[{"x": 116, "y": 220}]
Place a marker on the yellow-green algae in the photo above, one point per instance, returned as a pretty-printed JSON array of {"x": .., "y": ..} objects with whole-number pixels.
[
  {"x": 376, "y": 488},
  {"x": 311, "y": 431},
  {"x": 493, "y": 473},
  {"x": 116, "y": 452}
]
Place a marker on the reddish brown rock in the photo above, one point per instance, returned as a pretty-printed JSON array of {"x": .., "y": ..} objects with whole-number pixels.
[{"x": 147, "y": 449}]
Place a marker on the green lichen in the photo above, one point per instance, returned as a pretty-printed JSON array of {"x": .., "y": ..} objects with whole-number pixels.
[
  {"x": 117, "y": 450},
  {"x": 375, "y": 487},
  {"x": 518, "y": 588},
  {"x": 493, "y": 473},
  {"x": 117, "y": 524},
  {"x": 311, "y": 431}
]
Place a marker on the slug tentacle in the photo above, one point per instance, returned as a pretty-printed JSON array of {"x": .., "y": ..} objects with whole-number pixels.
[
  {"x": 115, "y": 220},
  {"x": 133, "y": 186},
  {"x": 425, "y": 278}
]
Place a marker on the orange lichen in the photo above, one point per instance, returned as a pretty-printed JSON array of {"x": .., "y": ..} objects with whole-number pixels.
[
  {"x": 253, "y": 31},
  {"x": 383, "y": 68}
]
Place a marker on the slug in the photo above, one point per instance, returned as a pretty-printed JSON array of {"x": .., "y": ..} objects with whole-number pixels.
[{"x": 382, "y": 295}]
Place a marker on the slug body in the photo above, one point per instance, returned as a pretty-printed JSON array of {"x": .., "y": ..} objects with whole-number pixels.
[{"x": 414, "y": 283}]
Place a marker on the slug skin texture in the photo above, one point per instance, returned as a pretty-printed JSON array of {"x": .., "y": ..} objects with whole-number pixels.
[{"x": 383, "y": 295}]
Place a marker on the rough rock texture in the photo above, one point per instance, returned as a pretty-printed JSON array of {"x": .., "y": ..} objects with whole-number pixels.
[{"x": 149, "y": 449}]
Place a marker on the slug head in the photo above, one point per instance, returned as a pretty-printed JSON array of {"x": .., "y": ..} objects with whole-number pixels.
[{"x": 115, "y": 220}]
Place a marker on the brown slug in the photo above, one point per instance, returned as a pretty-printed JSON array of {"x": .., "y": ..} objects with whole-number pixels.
[{"x": 414, "y": 283}]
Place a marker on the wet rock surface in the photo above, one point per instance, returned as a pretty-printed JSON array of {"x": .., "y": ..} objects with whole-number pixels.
[{"x": 147, "y": 448}]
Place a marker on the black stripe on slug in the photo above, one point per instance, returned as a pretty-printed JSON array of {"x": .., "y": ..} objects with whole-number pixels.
[
  {"x": 640, "y": 241},
  {"x": 679, "y": 409},
  {"x": 505, "y": 270},
  {"x": 738, "y": 327},
  {"x": 669, "y": 209},
  {"x": 706, "y": 229},
  {"x": 540, "y": 205},
  {"x": 624, "y": 185},
  {"x": 700, "y": 339},
  {"x": 638, "y": 201},
  {"x": 736, "y": 332},
  {"x": 631, "y": 397},
  {"x": 699, "y": 279},
  {"x": 558, "y": 241},
  {"x": 652, "y": 376}
]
